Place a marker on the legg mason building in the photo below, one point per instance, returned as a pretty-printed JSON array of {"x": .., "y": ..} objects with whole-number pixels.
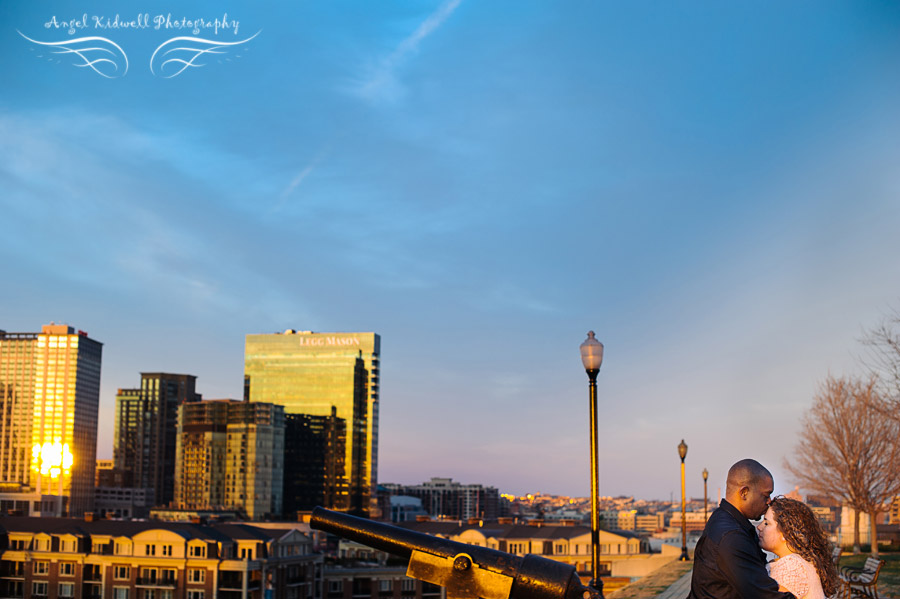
[{"x": 328, "y": 385}]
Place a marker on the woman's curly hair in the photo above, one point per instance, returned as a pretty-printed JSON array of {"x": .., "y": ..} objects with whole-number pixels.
[{"x": 804, "y": 535}]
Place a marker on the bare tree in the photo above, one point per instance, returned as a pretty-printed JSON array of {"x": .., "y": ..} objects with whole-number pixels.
[
  {"x": 883, "y": 356},
  {"x": 848, "y": 450}
]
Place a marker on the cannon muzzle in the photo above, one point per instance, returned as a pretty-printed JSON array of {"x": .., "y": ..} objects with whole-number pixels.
[{"x": 467, "y": 571}]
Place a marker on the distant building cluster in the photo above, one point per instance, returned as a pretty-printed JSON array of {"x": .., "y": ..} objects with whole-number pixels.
[{"x": 445, "y": 499}]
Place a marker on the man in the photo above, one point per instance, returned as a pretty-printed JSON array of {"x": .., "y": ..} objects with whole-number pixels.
[{"x": 728, "y": 562}]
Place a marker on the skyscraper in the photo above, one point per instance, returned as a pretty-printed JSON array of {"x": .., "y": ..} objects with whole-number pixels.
[
  {"x": 230, "y": 454},
  {"x": 325, "y": 374},
  {"x": 49, "y": 397},
  {"x": 146, "y": 430}
]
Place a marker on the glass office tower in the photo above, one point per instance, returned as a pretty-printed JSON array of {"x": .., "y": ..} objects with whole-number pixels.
[
  {"x": 50, "y": 394},
  {"x": 324, "y": 374}
]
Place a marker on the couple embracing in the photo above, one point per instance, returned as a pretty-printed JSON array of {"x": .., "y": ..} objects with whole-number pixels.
[{"x": 729, "y": 562}]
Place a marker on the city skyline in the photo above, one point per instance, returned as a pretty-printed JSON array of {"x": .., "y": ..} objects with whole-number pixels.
[{"x": 711, "y": 189}]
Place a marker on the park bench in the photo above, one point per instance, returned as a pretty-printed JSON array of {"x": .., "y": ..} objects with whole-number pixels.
[{"x": 861, "y": 583}]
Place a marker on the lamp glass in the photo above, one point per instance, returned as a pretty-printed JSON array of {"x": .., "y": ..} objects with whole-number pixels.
[
  {"x": 682, "y": 449},
  {"x": 591, "y": 352}
]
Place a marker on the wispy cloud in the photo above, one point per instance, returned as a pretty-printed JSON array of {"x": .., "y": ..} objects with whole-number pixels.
[
  {"x": 301, "y": 176},
  {"x": 382, "y": 83},
  {"x": 299, "y": 179}
]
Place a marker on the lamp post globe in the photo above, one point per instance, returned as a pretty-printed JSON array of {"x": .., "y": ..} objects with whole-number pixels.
[
  {"x": 591, "y": 353},
  {"x": 592, "y": 358},
  {"x": 682, "y": 453},
  {"x": 705, "y": 501}
]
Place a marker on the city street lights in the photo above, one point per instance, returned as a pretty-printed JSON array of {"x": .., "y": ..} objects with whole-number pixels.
[
  {"x": 705, "y": 502},
  {"x": 682, "y": 452},
  {"x": 592, "y": 357}
]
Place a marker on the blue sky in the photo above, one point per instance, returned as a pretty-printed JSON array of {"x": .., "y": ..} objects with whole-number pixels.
[{"x": 710, "y": 187}]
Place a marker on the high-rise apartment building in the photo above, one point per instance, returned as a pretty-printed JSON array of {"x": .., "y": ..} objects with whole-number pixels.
[
  {"x": 127, "y": 433},
  {"x": 230, "y": 454},
  {"x": 146, "y": 430},
  {"x": 49, "y": 397},
  {"x": 314, "y": 446},
  {"x": 200, "y": 455},
  {"x": 325, "y": 374}
]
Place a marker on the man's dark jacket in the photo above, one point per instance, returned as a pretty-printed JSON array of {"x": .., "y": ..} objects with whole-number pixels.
[{"x": 728, "y": 562}]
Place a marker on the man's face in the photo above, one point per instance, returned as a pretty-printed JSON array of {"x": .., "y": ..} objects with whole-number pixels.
[{"x": 757, "y": 499}]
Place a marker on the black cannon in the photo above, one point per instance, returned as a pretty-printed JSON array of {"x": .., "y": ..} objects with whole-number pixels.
[{"x": 466, "y": 571}]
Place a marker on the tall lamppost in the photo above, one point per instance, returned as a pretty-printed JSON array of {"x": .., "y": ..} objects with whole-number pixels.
[
  {"x": 592, "y": 357},
  {"x": 682, "y": 452},
  {"x": 705, "y": 502}
]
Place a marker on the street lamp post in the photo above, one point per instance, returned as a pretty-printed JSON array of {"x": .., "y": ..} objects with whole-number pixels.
[
  {"x": 592, "y": 357},
  {"x": 705, "y": 502},
  {"x": 682, "y": 453}
]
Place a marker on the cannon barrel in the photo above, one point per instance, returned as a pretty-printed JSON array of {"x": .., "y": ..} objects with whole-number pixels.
[
  {"x": 468, "y": 571},
  {"x": 400, "y": 541}
]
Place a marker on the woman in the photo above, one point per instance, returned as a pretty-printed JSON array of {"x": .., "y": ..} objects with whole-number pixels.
[{"x": 803, "y": 564}]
